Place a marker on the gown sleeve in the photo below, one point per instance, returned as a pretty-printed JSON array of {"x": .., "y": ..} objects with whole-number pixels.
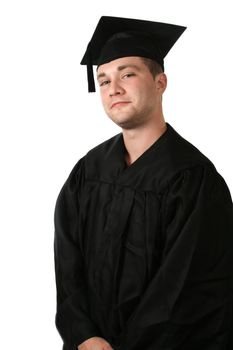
[
  {"x": 72, "y": 316},
  {"x": 188, "y": 302}
]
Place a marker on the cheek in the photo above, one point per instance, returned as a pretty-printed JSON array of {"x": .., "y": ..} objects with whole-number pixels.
[
  {"x": 103, "y": 98},
  {"x": 141, "y": 94},
  {"x": 140, "y": 90},
  {"x": 148, "y": 92}
]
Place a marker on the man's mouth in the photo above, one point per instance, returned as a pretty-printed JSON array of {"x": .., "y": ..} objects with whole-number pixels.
[{"x": 119, "y": 104}]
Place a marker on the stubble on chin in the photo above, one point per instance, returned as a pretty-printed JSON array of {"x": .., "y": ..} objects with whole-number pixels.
[{"x": 127, "y": 123}]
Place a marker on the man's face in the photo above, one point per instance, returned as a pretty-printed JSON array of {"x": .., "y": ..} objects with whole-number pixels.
[{"x": 129, "y": 93}]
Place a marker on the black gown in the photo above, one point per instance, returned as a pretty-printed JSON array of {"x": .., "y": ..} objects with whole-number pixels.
[{"x": 144, "y": 254}]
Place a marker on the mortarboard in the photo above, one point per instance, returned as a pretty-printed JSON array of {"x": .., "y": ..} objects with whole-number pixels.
[{"x": 116, "y": 37}]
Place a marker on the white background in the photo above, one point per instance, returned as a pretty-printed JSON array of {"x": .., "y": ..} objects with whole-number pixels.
[{"x": 48, "y": 121}]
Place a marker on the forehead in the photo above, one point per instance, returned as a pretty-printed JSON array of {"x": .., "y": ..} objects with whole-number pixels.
[{"x": 119, "y": 63}]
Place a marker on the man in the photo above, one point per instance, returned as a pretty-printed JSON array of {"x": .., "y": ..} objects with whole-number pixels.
[{"x": 144, "y": 223}]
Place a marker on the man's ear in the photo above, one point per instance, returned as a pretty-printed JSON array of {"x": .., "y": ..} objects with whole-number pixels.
[{"x": 161, "y": 82}]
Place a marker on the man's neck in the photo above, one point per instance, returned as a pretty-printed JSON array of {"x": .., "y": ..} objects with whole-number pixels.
[{"x": 137, "y": 141}]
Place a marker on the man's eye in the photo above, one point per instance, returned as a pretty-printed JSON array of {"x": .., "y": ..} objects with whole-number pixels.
[
  {"x": 105, "y": 82},
  {"x": 128, "y": 75}
]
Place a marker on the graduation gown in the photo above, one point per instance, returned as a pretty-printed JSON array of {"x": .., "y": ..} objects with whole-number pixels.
[{"x": 144, "y": 253}]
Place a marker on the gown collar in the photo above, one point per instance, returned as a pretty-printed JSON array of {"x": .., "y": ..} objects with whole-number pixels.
[{"x": 106, "y": 162}]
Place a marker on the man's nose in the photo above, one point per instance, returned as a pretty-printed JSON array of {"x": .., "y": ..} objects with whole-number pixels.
[{"x": 115, "y": 88}]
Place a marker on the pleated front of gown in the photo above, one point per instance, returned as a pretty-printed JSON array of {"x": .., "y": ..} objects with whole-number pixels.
[{"x": 155, "y": 249}]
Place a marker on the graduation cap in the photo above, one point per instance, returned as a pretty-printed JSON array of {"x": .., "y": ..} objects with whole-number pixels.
[{"x": 116, "y": 37}]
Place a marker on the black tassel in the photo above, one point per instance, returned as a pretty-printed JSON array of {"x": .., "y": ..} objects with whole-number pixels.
[{"x": 90, "y": 76}]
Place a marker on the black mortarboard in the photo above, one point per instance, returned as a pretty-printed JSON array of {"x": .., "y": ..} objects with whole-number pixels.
[{"x": 116, "y": 37}]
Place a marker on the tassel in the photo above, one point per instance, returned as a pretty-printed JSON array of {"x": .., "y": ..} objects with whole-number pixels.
[{"x": 90, "y": 76}]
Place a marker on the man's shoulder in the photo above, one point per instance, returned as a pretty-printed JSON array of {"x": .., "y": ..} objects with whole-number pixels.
[
  {"x": 179, "y": 152},
  {"x": 94, "y": 155},
  {"x": 103, "y": 148},
  {"x": 174, "y": 156}
]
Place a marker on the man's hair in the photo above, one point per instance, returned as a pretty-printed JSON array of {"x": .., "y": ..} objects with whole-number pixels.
[{"x": 153, "y": 66}]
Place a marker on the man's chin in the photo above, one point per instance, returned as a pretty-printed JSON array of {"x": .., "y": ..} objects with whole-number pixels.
[{"x": 127, "y": 124}]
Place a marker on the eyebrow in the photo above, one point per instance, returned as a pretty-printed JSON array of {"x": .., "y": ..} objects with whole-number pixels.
[{"x": 120, "y": 68}]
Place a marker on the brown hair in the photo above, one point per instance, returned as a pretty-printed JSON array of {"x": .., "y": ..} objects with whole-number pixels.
[{"x": 153, "y": 66}]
